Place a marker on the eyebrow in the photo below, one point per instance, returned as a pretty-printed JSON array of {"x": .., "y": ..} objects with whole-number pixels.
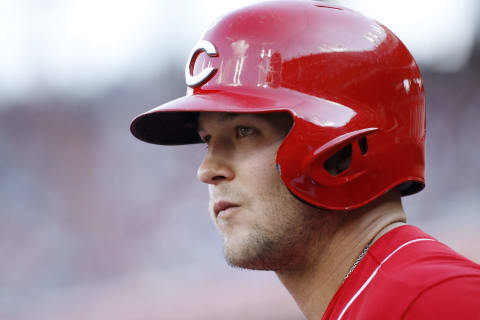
[{"x": 228, "y": 116}]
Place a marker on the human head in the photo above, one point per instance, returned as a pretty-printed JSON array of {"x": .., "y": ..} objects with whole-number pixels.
[
  {"x": 353, "y": 90},
  {"x": 264, "y": 227}
]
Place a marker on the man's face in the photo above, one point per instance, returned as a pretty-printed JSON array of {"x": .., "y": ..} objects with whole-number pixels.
[{"x": 263, "y": 225}]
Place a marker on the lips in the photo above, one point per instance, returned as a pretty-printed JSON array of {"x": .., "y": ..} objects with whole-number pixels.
[{"x": 221, "y": 206}]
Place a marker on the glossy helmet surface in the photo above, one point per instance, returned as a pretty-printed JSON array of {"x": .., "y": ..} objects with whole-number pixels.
[{"x": 349, "y": 83}]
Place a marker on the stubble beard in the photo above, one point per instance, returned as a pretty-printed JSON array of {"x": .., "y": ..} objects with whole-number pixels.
[
  {"x": 263, "y": 250},
  {"x": 293, "y": 229}
]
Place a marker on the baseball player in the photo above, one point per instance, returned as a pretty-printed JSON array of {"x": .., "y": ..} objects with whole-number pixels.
[{"x": 314, "y": 120}]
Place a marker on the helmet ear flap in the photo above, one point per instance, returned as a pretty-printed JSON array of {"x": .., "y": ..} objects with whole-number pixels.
[{"x": 340, "y": 160}]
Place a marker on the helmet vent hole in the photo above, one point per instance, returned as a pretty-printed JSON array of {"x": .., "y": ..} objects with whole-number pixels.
[
  {"x": 339, "y": 162},
  {"x": 362, "y": 143}
]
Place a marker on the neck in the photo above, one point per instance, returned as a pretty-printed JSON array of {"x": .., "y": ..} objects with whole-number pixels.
[{"x": 314, "y": 284}]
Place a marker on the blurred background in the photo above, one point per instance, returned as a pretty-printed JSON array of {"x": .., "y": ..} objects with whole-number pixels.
[{"x": 97, "y": 225}]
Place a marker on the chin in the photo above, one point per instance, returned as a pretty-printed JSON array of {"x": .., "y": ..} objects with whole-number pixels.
[
  {"x": 247, "y": 263},
  {"x": 254, "y": 253}
]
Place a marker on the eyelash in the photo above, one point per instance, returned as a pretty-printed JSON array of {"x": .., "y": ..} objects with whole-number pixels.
[{"x": 238, "y": 132}]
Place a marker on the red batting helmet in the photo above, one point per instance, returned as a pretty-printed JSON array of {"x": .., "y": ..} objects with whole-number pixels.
[{"x": 350, "y": 85}]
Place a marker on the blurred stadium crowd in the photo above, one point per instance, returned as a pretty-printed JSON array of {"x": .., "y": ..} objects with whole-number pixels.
[{"x": 96, "y": 225}]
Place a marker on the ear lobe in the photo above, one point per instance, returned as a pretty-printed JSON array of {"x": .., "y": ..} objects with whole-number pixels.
[{"x": 340, "y": 160}]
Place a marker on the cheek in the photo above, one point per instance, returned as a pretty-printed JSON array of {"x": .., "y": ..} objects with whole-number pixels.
[{"x": 259, "y": 174}]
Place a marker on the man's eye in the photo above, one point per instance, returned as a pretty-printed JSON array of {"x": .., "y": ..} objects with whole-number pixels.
[
  {"x": 206, "y": 139},
  {"x": 244, "y": 131}
]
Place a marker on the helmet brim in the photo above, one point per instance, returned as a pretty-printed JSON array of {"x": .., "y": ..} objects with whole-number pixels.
[{"x": 174, "y": 123}]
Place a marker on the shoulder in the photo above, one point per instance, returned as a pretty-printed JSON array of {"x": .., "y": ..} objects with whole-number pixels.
[
  {"x": 414, "y": 274},
  {"x": 422, "y": 263},
  {"x": 412, "y": 256},
  {"x": 453, "y": 298}
]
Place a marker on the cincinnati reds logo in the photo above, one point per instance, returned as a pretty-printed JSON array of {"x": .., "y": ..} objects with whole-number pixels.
[{"x": 207, "y": 73}]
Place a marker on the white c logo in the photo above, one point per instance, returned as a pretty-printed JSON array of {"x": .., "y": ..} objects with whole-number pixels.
[{"x": 207, "y": 73}]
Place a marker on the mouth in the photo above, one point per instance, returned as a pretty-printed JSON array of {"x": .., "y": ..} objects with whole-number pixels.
[{"x": 222, "y": 207}]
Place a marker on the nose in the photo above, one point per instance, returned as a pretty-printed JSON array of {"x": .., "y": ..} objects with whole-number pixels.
[{"x": 215, "y": 169}]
